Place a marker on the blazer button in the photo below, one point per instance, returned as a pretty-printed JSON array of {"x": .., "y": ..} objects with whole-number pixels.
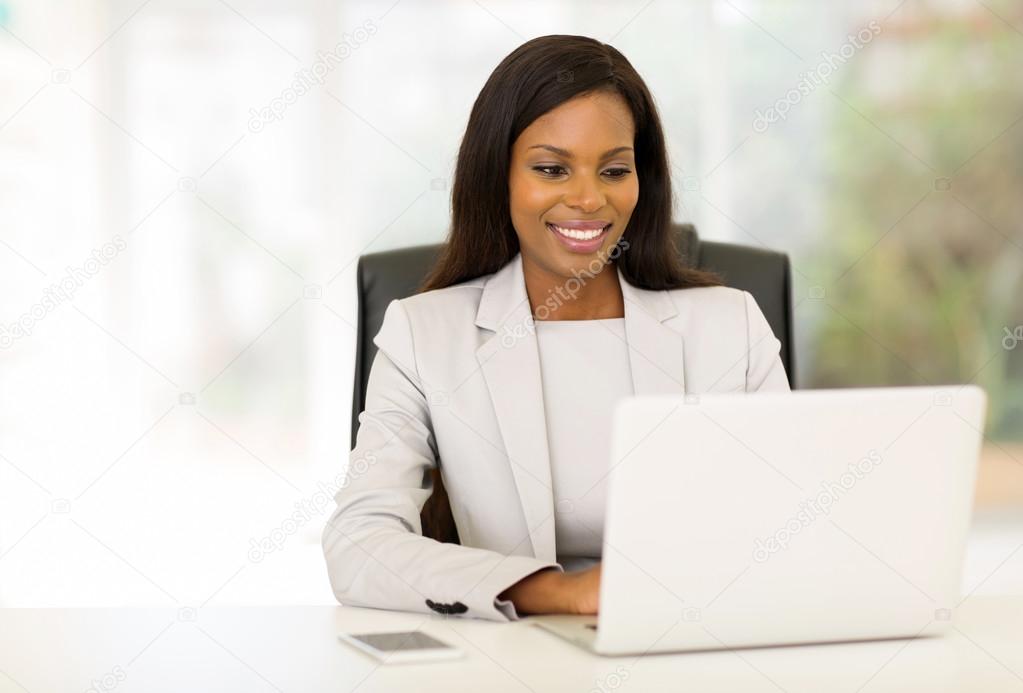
[{"x": 441, "y": 608}]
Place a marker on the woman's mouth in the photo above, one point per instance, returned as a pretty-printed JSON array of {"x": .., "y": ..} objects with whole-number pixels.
[{"x": 580, "y": 237}]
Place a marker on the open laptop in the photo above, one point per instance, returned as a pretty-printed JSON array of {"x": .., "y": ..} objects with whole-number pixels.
[{"x": 780, "y": 518}]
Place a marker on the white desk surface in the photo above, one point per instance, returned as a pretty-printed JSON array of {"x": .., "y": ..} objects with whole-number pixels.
[{"x": 295, "y": 649}]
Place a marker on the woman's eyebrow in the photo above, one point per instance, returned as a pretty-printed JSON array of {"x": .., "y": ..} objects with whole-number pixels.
[{"x": 568, "y": 155}]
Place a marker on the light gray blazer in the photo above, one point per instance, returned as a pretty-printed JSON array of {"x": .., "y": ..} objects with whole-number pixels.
[{"x": 457, "y": 378}]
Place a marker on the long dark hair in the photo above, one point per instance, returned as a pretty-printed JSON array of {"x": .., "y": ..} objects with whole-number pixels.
[{"x": 535, "y": 78}]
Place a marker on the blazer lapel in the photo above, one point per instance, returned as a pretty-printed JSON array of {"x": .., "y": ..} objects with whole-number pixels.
[
  {"x": 510, "y": 363},
  {"x": 655, "y": 350}
]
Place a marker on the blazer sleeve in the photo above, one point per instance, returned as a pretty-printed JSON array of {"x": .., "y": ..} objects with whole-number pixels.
[
  {"x": 765, "y": 371},
  {"x": 375, "y": 552}
]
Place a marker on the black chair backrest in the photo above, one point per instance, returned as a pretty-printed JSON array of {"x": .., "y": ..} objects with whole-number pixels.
[{"x": 382, "y": 277}]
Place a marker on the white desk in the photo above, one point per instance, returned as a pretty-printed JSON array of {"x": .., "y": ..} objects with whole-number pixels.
[{"x": 294, "y": 649}]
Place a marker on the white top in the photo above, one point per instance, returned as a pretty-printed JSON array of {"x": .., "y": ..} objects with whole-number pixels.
[{"x": 584, "y": 367}]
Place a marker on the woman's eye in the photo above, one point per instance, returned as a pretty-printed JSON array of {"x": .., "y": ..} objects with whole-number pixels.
[
  {"x": 554, "y": 170},
  {"x": 549, "y": 170}
]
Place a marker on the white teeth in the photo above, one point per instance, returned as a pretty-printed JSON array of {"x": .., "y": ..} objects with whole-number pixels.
[{"x": 579, "y": 235}]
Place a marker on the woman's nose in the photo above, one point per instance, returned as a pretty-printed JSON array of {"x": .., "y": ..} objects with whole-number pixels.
[{"x": 585, "y": 194}]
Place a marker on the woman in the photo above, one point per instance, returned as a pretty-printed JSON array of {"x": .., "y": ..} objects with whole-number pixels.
[{"x": 558, "y": 292}]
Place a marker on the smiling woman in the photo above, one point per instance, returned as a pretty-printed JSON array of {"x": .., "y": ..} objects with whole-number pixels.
[
  {"x": 556, "y": 193},
  {"x": 559, "y": 291},
  {"x": 564, "y": 131}
]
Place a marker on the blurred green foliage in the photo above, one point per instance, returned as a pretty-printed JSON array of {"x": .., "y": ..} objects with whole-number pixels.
[{"x": 924, "y": 237}]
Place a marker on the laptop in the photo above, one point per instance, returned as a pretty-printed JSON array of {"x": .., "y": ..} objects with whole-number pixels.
[{"x": 814, "y": 516}]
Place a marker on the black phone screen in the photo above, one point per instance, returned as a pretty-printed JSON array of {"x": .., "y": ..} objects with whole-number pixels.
[{"x": 400, "y": 641}]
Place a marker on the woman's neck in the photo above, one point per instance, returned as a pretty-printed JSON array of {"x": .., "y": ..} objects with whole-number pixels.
[{"x": 575, "y": 297}]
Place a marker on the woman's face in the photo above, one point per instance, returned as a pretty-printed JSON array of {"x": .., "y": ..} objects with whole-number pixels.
[{"x": 573, "y": 183}]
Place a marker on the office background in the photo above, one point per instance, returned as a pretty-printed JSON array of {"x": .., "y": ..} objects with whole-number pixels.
[{"x": 186, "y": 187}]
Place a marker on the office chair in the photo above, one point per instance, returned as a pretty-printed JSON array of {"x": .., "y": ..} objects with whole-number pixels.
[{"x": 382, "y": 277}]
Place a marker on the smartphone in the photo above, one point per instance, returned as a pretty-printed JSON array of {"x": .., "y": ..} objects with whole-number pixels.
[{"x": 402, "y": 646}]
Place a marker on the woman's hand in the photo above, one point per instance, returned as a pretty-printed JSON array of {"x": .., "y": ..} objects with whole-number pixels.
[
  {"x": 551, "y": 591},
  {"x": 585, "y": 588}
]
